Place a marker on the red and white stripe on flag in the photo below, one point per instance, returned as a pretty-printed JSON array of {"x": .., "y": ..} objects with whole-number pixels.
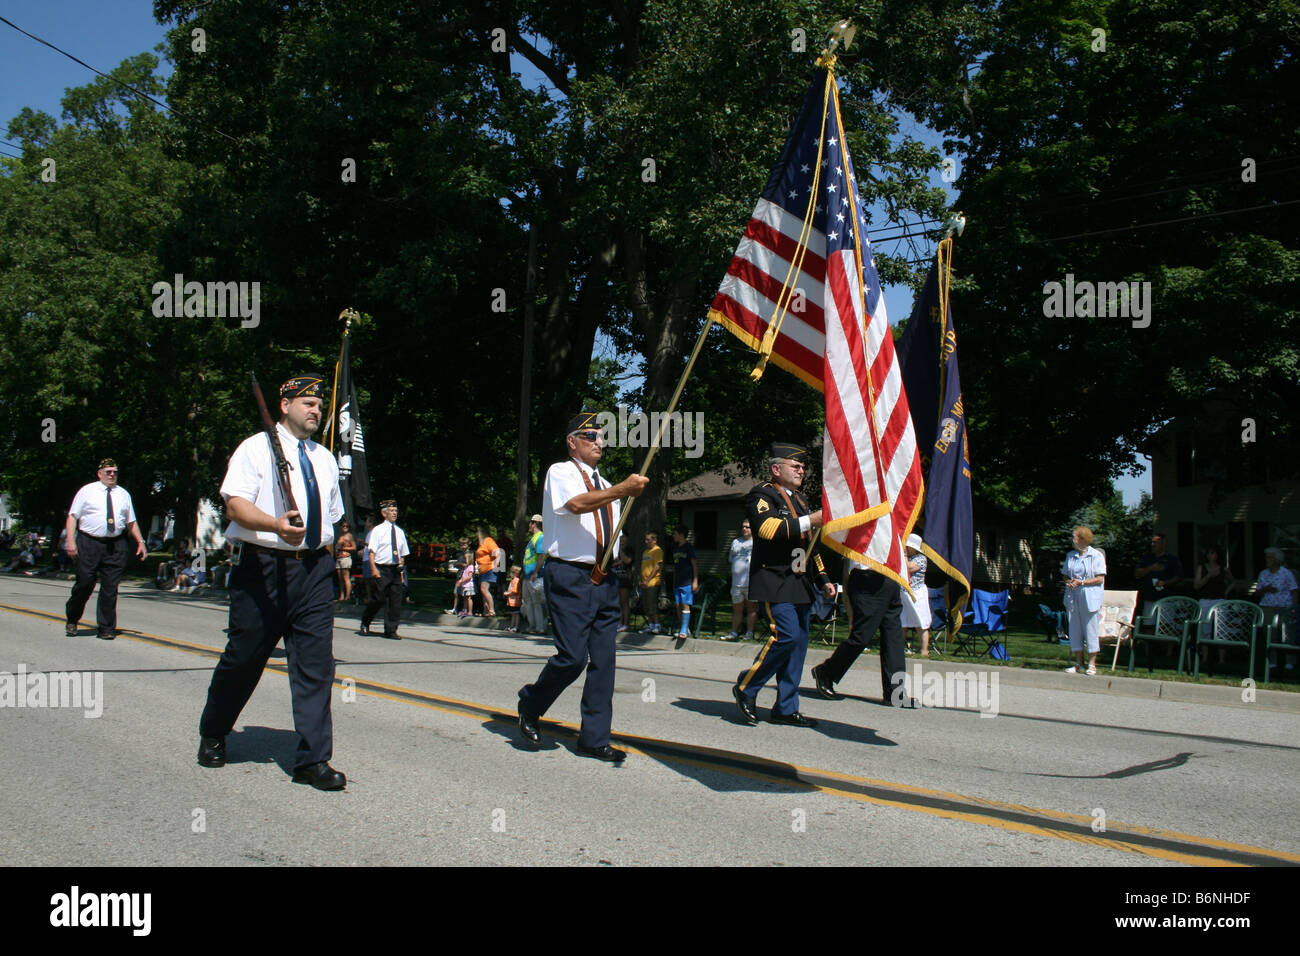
[
  {"x": 871, "y": 468},
  {"x": 805, "y": 258}
]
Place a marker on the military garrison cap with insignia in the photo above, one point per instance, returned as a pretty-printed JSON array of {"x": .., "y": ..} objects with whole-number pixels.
[
  {"x": 388, "y": 503},
  {"x": 785, "y": 449},
  {"x": 303, "y": 386},
  {"x": 581, "y": 422},
  {"x": 107, "y": 463}
]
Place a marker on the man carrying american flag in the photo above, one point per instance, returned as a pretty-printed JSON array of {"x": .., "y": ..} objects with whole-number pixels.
[{"x": 802, "y": 289}]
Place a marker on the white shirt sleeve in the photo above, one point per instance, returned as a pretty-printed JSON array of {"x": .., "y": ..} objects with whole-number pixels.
[{"x": 78, "y": 507}]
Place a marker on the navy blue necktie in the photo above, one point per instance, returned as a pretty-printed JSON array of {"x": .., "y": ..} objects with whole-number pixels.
[
  {"x": 108, "y": 507},
  {"x": 313, "y": 497}
]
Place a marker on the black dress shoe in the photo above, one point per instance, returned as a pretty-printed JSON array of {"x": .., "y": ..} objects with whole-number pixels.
[
  {"x": 70, "y": 630},
  {"x": 365, "y": 630},
  {"x": 321, "y": 776},
  {"x": 212, "y": 751},
  {"x": 794, "y": 720},
  {"x": 825, "y": 687},
  {"x": 392, "y": 637},
  {"x": 606, "y": 753},
  {"x": 107, "y": 635},
  {"x": 528, "y": 724},
  {"x": 746, "y": 704}
]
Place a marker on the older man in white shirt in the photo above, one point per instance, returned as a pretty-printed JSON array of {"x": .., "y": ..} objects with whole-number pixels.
[{"x": 99, "y": 521}]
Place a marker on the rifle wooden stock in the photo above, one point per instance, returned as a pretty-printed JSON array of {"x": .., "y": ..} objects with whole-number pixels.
[{"x": 277, "y": 453}]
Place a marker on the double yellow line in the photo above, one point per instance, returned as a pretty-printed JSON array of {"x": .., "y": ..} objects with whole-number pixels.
[{"x": 1161, "y": 844}]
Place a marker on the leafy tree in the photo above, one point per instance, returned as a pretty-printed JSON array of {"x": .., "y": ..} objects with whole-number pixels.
[
  {"x": 457, "y": 153},
  {"x": 1147, "y": 160},
  {"x": 90, "y": 371}
]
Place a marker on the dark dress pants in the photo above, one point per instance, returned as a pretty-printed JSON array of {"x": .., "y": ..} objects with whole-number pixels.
[
  {"x": 782, "y": 655},
  {"x": 386, "y": 594},
  {"x": 105, "y": 560},
  {"x": 584, "y": 622},
  {"x": 877, "y": 605},
  {"x": 274, "y": 597}
]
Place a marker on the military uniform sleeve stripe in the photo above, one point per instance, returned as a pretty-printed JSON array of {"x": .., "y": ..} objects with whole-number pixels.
[{"x": 769, "y": 528}]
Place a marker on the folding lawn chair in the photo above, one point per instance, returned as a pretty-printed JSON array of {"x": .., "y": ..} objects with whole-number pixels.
[
  {"x": 824, "y": 616},
  {"x": 1118, "y": 609},
  {"x": 988, "y": 611}
]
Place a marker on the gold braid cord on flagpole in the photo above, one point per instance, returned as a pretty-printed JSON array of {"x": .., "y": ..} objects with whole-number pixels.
[{"x": 347, "y": 315}]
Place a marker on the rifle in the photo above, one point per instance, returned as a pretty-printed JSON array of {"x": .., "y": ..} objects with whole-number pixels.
[{"x": 277, "y": 453}]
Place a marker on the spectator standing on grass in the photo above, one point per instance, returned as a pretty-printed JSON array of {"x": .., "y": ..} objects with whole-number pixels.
[
  {"x": 486, "y": 558},
  {"x": 623, "y": 571},
  {"x": 463, "y": 590},
  {"x": 686, "y": 578},
  {"x": 652, "y": 566},
  {"x": 1085, "y": 581},
  {"x": 343, "y": 549},
  {"x": 534, "y": 593},
  {"x": 743, "y": 610},
  {"x": 1159, "y": 573},
  {"x": 514, "y": 595},
  {"x": 915, "y": 614}
]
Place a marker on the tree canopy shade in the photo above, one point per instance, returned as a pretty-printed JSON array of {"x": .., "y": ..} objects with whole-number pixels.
[
  {"x": 638, "y": 160},
  {"x": 1148, "y": 141},
  {"x": 89, "y": 371}
]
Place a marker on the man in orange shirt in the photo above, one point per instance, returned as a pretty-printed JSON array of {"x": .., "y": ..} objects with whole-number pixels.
[{"x": 485, "y": 558}]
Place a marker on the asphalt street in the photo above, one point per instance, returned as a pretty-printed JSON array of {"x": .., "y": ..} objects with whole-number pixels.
[{"x": 1071, "y": 771}]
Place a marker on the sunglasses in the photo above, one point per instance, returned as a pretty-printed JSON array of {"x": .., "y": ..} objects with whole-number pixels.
[
  {"x": 588, "y": 436},
  {"x": 110, "y": 471}
]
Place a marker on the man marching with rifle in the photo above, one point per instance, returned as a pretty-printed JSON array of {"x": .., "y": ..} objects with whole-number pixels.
[{"x": 282, "y": 582}]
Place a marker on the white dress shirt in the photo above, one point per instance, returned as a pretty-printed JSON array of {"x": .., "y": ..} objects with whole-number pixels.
[
  {"x": 380, "y": 543},
  {"x": 568, "y": 536},
  {"x": 89, "y": 507},
  {"x": 251, "y": 476}
]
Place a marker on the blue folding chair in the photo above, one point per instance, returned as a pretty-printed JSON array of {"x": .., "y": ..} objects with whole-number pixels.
[
  {"x": 985, "y": 621},
  {"x": 940, "y": 619}
]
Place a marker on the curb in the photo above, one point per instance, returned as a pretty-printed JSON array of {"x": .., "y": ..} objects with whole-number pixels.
[{"x": 1103, "y": 683}]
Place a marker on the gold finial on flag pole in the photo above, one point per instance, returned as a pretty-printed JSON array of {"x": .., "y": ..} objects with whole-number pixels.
[
  {"x": 841, "y": 35},
  {"x": 348, "y": 315}
]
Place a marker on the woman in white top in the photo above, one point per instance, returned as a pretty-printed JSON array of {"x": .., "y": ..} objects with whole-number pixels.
[
  {"x": 916, "y": 607},
  {"x": 1085, "y": 579}
]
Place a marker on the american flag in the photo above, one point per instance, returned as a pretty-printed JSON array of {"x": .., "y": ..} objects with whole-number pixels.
[{"x": 803, "y": 277}]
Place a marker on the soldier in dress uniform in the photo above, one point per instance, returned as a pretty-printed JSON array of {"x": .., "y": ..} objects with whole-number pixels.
[
  {"x": 579, "y": 513},
  {"x": 282, "y": 584},
  {"x": 388, "y": 551},
  {"x": 98, "y": 522},
  {"x": 781, "y": 584}
]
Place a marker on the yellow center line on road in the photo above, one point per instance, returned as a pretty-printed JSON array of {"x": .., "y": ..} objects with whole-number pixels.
[{"x": 1169, "y": 845}]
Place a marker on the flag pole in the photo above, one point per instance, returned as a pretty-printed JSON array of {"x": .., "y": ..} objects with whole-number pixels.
[
  {"x": 626, "y": 508},
  {"x": 347, "y": 315},
  {"x": 842, "y": 33}
]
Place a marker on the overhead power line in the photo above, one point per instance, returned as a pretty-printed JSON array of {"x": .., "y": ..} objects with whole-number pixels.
[{"x": 112, "y": 79}]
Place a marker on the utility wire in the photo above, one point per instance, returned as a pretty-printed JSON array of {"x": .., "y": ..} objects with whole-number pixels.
[
  {"x": 1165, "y": 222},
  {"x": 112, "y": 79}
]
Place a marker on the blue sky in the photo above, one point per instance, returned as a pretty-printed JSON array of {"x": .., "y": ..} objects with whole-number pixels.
[{"x": 104, "y": 33}]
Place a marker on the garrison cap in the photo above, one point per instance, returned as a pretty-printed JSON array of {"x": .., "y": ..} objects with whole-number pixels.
[
  {"x": 388, "y": 503},
  {"x": 307, "y": 385},
  {"x": 581, "y": 422},
  {"x": 785, "y": 449},
  {"x": 107, "y": 463}
]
